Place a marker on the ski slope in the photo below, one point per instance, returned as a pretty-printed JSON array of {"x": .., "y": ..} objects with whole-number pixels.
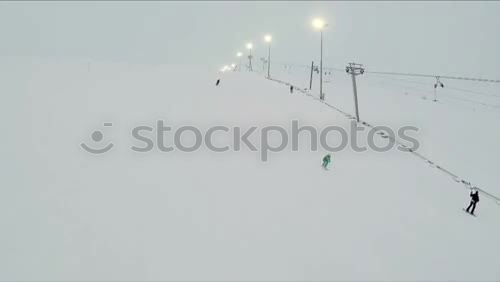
[
  {"x": 457, "y": 132},
  {"x": 123, "y": 215}
]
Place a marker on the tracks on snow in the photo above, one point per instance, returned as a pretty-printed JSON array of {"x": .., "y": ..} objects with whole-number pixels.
[{"x": 382, "y": 134}]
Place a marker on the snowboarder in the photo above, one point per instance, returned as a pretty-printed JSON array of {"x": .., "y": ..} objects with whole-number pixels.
[
  {"x": 326, "y": 161},
  {"x": 474, "y": 200},
  {"x": 291, "y": 89},
  {"x": 217, "y": 83}
]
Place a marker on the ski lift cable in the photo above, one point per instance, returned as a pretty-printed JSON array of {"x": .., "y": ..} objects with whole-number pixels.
[
  {"x": 433, "y": 75},
  {"x": 455, "y": 177},
  {"x": 430, "y": 92},
  {"x": 417, "y": 82},
  {"x": 409, "y": 74},
  {"x": 411, "y": 81},
  {"x": 447, "y": 95},
  {"x": 447, "y": 87},
  {"x": 377, "y": 76},
  {"x": 308, "y": 66}
]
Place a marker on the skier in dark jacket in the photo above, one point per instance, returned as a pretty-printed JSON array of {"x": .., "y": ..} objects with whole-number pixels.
[
  {"x": 217, "y": 83},
  {"x": 474, "y": 199},
  {"x": 291, "y": 89}
]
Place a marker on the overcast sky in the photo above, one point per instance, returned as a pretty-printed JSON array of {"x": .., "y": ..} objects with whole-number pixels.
[{"x": 445, "y": 37}]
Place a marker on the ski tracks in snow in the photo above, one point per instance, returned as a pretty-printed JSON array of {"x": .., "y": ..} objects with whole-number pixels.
[{"x": 382, "y": 134}]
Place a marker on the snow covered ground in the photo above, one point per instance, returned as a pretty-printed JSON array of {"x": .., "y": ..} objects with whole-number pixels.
[
  {"x": 123, "y": 215},
  {"x": 458, "y": 132}
]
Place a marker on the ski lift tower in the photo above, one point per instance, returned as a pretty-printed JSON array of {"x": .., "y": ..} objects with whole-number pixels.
[
  {"x": 355, "y": 69},
  {"x": 249, "y": 47}
]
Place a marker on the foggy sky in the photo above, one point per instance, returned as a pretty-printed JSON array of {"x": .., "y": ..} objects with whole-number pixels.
[{"x": 454, "y": 38}]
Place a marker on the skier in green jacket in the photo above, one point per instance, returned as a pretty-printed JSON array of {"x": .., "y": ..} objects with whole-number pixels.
[{"x": 326, "y": 161}]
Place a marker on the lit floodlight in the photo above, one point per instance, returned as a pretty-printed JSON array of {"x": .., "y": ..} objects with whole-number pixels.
[
  {"x": 268, "y": 38},
  {"x": 249, "y": 46},
  {"x": 318, "y": 23},
  {"x": 239, "y": 54}
]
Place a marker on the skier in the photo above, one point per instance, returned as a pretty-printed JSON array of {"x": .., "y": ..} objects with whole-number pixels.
[
  {"x": 291, "y": 89},
  {"x": 217, "y": 83},
  {"x": 326, "y": 161},
  {"x": 474, "y": 200}
]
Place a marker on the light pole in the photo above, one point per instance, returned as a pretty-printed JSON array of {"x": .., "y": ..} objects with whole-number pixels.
[
  {"x": 239, "y": 54},
  {"x": 268, "y": 38},
  {"x": 319, "y": 24},
  {"x": 249, "y": 47}
]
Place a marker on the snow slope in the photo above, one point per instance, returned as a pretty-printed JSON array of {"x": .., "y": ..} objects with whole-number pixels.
[
  {"x": 458, "y": 132},
  {"x": 70, "y": 215}
]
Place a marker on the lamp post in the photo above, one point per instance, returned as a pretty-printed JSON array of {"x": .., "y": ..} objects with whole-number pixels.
[
  {"x": 249, "y": 47},
  {"x": 239, "y": 54},
  {"x": 319, "y": 24},
  {"x": 268, "y": 38}
]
